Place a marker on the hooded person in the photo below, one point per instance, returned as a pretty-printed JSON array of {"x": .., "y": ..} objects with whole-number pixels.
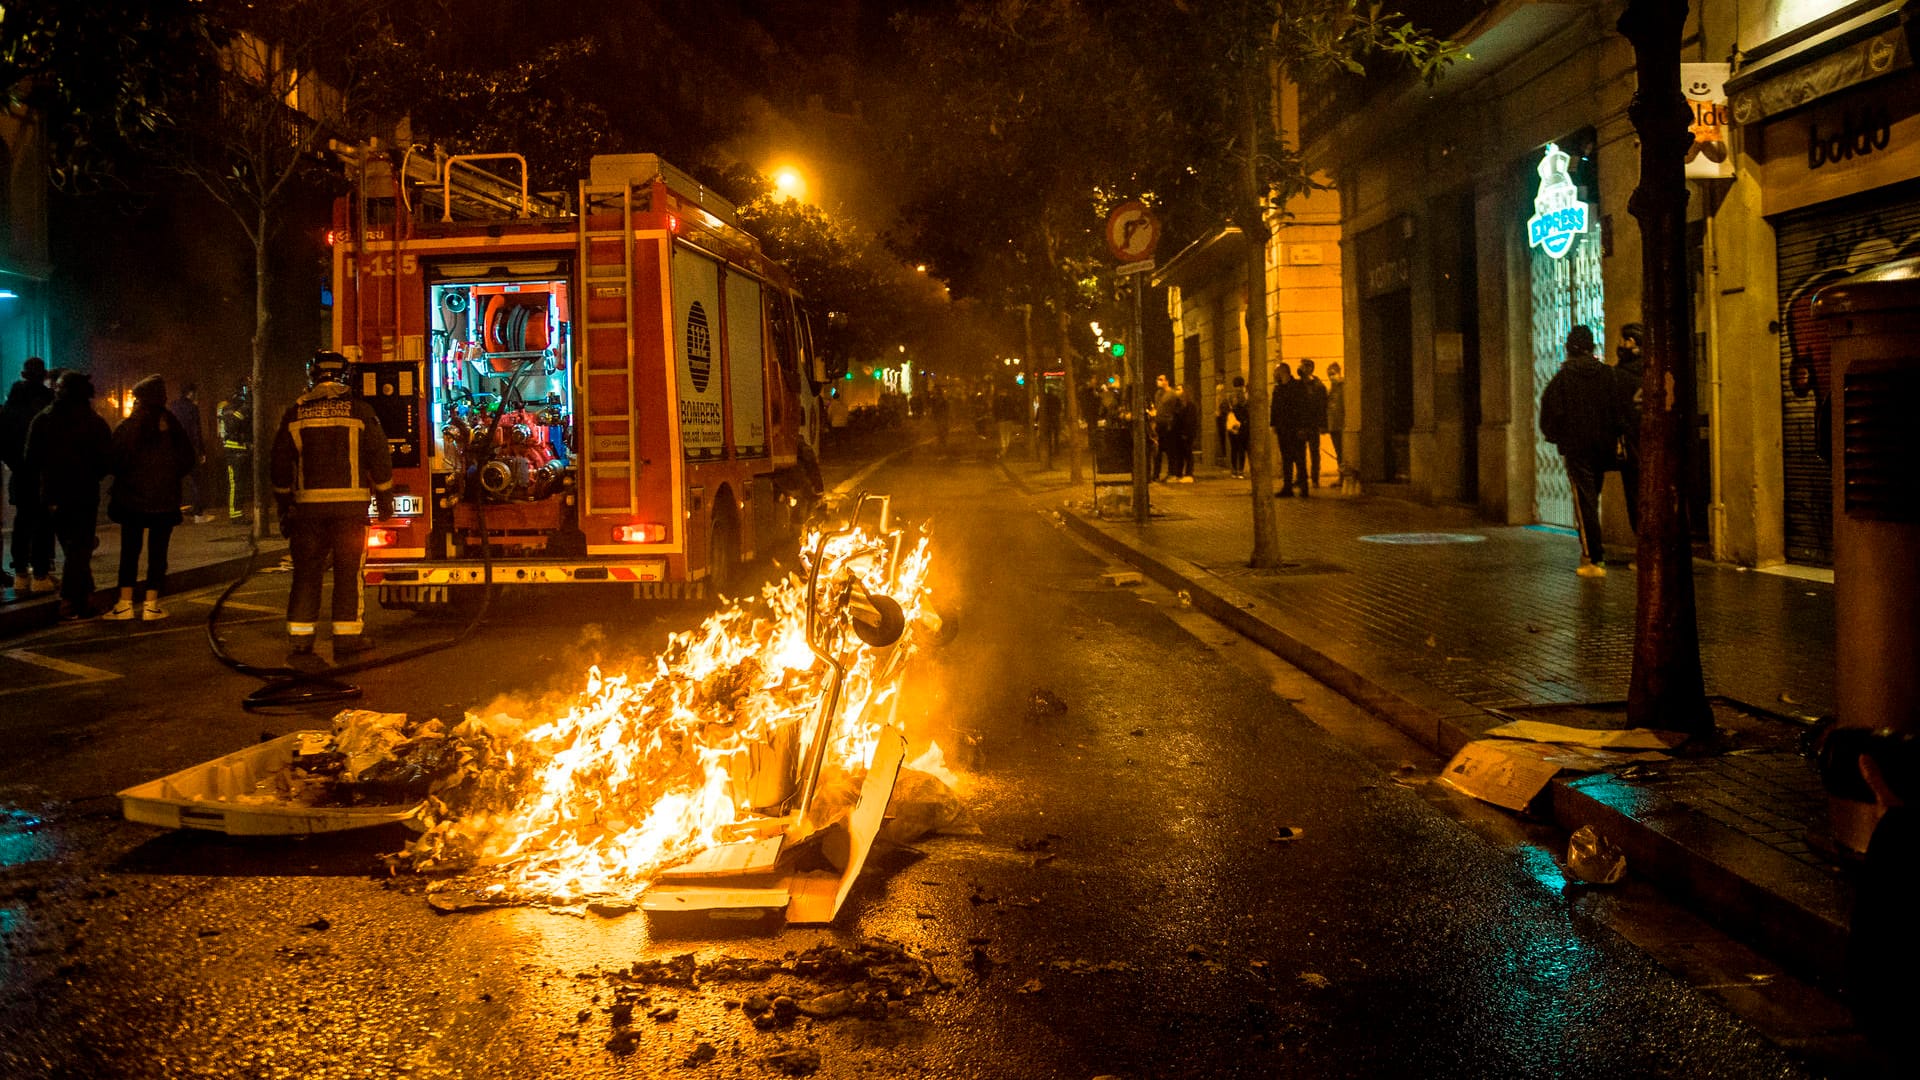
[
  {"x": 1581, "y": 414},
  {"x": 67, "y": 455},
  {"x": 151, "y": 455},
  {"x": 32, "y": 549}
]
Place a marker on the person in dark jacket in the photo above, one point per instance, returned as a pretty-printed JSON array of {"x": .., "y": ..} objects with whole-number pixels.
[
  {"x": 32, "y": 552},
  {"x": 1284, "y": 413},
  {"x": 1632, "y": 364},
  {"x": 151, "y": 456},
  {"x": 67, "y": 448},
  {"x": 1313, "y": 417},
  {"x": 1186, "y": 424},
  {"x": 186, "y": 409},
  {"x": 330, "y": 459},
  {"x": 1580, "y": 414}
]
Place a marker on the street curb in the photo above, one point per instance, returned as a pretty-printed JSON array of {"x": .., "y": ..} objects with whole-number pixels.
[
  {"x": 1795, "y": 911},
  {"x": 1751, "y": 890},
  {"x": 20, "y": 617}
]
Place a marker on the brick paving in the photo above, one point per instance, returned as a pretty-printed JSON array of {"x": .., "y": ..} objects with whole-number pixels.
[{"x": 1499, "y": 620}]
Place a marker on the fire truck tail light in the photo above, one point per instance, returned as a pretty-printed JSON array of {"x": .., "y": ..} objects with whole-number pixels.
[
  {"x": 381, "y": 538},
  {"x": 640, "y": 534}
]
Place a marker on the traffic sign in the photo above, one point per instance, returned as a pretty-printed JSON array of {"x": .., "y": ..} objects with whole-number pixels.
[
  {"x": 1132, "y": 232},
  {"x": 1140, "y": 267}
]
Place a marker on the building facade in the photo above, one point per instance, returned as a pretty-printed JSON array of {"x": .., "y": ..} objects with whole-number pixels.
[
  {"x": 1207, "y": 299},
  {"x": 24, "y": 262},
  {"x": 1484, "y": 216}
]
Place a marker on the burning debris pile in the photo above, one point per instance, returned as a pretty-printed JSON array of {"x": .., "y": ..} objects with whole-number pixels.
[{"x": 723, "y": 741}]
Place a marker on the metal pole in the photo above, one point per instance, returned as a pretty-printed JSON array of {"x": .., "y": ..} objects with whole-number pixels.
[
  {"x": 1137, "y": 355},
  {"x": 1027, "y": 367}
]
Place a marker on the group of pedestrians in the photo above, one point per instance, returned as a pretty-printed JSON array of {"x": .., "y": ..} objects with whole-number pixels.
[
  {"x": 1591, "y": 413},
  {"x": 1176, "y": 427},
  {"x": 59, "y": 451},
  {"x": 1298, "y": 414}
]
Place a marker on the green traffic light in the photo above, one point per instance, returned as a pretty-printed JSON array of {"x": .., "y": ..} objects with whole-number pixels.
[{"x": 1119, "y": 349}]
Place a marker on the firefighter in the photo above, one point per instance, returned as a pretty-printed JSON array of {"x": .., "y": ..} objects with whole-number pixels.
[
  {"x": 330, "y": 458},
  {"x": 235, "y": 419}
]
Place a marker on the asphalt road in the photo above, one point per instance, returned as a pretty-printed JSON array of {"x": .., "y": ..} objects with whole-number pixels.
[{"x": 1127, "y": 904}]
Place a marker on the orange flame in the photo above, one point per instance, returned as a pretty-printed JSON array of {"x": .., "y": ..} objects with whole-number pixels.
[{"x": 645, "y": 769}]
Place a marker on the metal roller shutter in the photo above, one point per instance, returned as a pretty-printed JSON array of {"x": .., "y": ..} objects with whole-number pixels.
[{"x": 1820, "y": 245}]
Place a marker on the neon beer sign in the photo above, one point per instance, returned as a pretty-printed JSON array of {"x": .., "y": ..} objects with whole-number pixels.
[{"x": 1558, "y": 214}]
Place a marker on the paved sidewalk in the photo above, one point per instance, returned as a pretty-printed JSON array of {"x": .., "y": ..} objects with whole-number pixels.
[
  {"x": 1429, "y": 617},
  {"x": 198, "y": 556}
]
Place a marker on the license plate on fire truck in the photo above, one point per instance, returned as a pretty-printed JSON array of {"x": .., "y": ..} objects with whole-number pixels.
[{"x": 406, "y": 505}]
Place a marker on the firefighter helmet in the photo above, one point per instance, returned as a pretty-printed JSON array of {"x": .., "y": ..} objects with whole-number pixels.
[{"x": 327, "y": 366}]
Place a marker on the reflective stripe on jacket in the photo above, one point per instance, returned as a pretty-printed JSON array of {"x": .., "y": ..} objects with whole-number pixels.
[{"x": 330, "y": 453}]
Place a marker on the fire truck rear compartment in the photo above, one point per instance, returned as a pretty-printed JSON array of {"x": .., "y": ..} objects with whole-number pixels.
[{"x": 502, "y": 407}]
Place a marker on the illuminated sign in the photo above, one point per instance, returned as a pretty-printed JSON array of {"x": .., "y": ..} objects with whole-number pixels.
[{"x": 1558, "y": 213}]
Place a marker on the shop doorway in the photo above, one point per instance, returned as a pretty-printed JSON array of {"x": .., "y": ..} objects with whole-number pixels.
[
  {"x": 1818, "y": 246},
  {"x": 1386, "y": 326},
  {"x": 1565, "y": 287}
]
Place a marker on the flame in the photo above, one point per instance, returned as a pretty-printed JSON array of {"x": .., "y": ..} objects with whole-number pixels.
[{"x": 643, "y": 770}]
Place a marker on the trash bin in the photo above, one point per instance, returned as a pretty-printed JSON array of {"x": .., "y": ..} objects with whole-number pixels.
[
  {"x": 1873, "y": 322},
  {"x": 1113, "y": 449}
]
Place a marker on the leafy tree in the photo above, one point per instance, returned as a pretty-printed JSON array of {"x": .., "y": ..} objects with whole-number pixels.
[
  {"x": 571, "y": 80},
  {"x": 1036, "y": 133},
  {"x": 291, "y": 77},
  {"x": 867, "y": 301},
  {"x": 106, "y": 78},
  {"x": 1226, "y": 148}
]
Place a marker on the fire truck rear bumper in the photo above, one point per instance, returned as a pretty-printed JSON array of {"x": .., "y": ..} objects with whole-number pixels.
[{"x": 518, "y": 572}]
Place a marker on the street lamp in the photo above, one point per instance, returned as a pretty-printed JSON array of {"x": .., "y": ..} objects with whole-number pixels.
[{"x": 788, "y": 183}]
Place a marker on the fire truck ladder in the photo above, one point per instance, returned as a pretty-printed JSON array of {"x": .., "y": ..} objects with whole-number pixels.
[{"x": 606, "y": 349}]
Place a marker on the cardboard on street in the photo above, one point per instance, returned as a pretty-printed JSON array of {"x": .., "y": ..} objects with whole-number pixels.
[{"x": 1629, "y": 739}]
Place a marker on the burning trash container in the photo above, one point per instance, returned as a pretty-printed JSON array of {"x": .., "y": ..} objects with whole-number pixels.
[{"x": 1873, "y": 322}]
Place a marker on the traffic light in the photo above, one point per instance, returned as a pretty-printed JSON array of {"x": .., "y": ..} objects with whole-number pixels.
[{"x": 1119, "y": 350}]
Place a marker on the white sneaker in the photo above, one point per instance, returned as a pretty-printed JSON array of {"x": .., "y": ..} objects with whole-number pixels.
[
  {"x": 121, "y": 612},
  {"x": 1588, "y": 569},
  {"x": 22, "y": 583},
  {"x": 152, "y": 610},
  {"x": 46, "y": 584},
  {"x": 1186, "y": 479}
]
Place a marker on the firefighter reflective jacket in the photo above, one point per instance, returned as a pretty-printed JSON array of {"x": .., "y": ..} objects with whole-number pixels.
[
  {"x": 330, "y": 454},
  {"x": 235, "y": 419}
]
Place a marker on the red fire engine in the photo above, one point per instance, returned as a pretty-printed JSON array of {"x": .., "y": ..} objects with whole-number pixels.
[{"x": 614, "y": 385}]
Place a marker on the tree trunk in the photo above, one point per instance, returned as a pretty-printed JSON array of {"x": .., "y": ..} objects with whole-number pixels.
[
  {"x": 1036, "y": 377},
  {"x": 262, "y": 321},
  {"x": 1073, "y": 399},
  {"x": 1253, "y": 226},
  {"x": 1667, "y": 689}
]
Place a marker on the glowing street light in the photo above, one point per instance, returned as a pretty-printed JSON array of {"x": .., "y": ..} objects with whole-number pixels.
[{"x": 788, "y": 183}]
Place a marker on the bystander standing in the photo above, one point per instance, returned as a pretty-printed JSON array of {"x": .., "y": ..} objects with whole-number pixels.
[
  {"x": 1580, "y": 414},
  {"x": 67, "y": 448},
  {"x": 32, "y": 547},
  {"x": 151, "y": 456}
]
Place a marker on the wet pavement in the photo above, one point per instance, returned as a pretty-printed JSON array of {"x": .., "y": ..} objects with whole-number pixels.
[
  {"x": 1179, "y": 875},
  {"x": 197, "y": 555},
  {"x": 1454, "y": 625}
]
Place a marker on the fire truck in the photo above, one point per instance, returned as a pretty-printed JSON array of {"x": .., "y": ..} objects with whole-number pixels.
[{"x": 612, "y": 385}]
